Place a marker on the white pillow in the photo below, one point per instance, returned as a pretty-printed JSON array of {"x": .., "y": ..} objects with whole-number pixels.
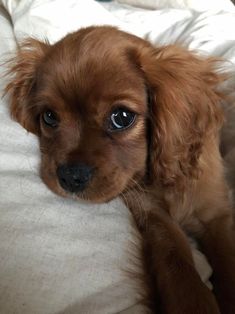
[
  {"x": 198, "y": 5},
  {"x": 54, "y": 19}
]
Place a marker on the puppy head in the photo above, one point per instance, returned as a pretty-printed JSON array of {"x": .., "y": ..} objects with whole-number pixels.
[{"x": 109, "y": 108}]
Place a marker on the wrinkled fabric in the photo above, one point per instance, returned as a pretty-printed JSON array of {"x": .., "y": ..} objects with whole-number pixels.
[{"x": 197, "y": 5}]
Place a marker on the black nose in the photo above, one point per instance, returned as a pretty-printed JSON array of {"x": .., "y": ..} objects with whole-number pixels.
[{"x": 74, "y": 178}]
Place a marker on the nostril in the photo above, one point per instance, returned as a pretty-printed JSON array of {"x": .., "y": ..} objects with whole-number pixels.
[
  {"x": 74, "y": 178},
  {"x": 82, "y": 176},
  {"x": 63, "y": 180}
]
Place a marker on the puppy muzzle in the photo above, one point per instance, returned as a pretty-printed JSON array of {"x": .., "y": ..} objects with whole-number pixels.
[{"x": 74, "y": 178}]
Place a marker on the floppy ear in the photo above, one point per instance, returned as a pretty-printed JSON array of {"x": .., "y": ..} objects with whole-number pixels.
[
  {"x": 184, "y": 110},
  {"x": 23, "y": 72}
]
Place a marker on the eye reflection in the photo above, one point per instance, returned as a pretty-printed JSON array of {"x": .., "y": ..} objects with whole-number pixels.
[
  {"x": 121, "y": 119},
  {"x": 50, "y": 119}
]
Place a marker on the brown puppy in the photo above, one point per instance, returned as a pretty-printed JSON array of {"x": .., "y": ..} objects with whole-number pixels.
[{"x": 117, "y": 116}]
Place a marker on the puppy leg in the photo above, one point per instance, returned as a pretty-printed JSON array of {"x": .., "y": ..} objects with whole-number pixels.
[
  {"x": 171, "y": 271},
  {"x": 218, "y": 244}
]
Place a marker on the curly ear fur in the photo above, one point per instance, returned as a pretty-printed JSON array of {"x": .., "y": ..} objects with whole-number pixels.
[
  {"x": 185, "y": 110},
  {"x": 23, "y": 71}
]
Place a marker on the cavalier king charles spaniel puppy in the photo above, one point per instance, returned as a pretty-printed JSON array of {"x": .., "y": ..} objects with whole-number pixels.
[{"x": 116, "y": 116}]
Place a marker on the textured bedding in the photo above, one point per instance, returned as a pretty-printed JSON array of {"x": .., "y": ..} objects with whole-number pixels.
[
  {"x": 58, "y": 255},
  {"x": 198, "y": 5}
]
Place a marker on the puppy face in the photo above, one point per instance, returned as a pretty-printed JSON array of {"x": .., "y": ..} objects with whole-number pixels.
[
  {"x": 92, "y": 121},
  {"x": 90, "y": 99},
  {"x": 88, "y": 105}
]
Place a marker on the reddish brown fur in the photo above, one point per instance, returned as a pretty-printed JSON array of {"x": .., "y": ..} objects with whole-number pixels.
[{"x": 167, "y": 166}]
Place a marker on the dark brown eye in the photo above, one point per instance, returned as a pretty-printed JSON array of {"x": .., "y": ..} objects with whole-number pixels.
[
  {"x": 121, "y": 119},
  {"x": 50, "y": 119}
]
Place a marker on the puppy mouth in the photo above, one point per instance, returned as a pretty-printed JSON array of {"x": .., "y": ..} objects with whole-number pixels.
[
  {"x": 82, "y": 182},
  {"x": 88, "y": 195},
  {"x": 93, "y": 192},
  {"x": 80, "y": 191}
]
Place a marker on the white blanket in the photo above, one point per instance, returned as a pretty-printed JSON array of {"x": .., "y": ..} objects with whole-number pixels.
[
  {"x": 57, "y": 255},
  {"x": 198, "y": 5}
]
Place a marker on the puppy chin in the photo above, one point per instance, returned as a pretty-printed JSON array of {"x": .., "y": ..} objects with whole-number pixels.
[
  {"x": 94, "y": 199},
  {"x": 85, "y": 196}
]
